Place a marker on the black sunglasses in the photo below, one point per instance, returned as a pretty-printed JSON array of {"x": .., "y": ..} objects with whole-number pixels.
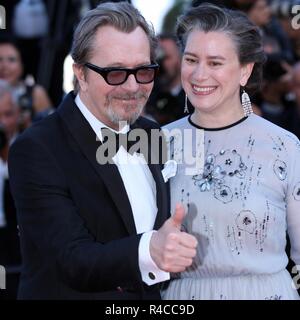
[{"x": 115, "y": 76}]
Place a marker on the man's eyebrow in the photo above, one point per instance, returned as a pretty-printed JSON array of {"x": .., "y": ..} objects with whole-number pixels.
[{"x": 122, "y": 65}]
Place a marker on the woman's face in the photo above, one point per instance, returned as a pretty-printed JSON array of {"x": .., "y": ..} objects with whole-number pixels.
[
  {"x": 211, "y": 72},
  {"x": 10, "y": 64}
]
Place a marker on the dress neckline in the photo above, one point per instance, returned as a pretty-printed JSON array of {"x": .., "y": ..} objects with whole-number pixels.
[{"x": 216, "y": 129}]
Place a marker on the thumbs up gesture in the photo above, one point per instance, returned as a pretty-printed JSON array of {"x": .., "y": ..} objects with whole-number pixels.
[{"x": 171, "y": 249}]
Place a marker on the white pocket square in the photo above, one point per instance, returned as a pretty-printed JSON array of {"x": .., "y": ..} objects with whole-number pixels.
[{"x": 169, "y": 170}]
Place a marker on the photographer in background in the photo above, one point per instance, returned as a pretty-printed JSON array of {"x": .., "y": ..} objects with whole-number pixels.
[
  {"x": 31, "y": 97},
  {"x": 275, "y": 91},
  {"x": 288, "y": 15},
  {"x": 9, "y": 239},
  {"x": 293, "y": 123},
  {"x": 167, "y": 101}
]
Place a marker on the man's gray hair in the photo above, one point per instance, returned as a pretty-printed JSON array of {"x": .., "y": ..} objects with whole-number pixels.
[{"x": 122, "y": 16}]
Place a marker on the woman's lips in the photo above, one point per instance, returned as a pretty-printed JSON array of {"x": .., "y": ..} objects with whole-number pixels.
[{"x": 203, "y": 90}]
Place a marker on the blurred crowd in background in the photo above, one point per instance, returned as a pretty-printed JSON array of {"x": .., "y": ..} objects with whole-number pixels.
[{"x": 38, "y": 37}]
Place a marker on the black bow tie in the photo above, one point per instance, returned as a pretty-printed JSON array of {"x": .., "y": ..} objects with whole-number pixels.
[{"x": 115, "y": 140}]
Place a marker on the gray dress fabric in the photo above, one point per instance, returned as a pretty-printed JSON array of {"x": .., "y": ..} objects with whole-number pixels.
[{"x": 239, "y": 208}]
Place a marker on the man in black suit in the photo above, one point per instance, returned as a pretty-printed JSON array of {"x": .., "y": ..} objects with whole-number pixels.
[{"x": 87, "y": 227}]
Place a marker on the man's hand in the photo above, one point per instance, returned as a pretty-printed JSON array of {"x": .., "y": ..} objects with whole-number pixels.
[{"x": 171, "y": 249}]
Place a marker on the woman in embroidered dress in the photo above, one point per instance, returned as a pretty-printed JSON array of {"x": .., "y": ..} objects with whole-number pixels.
[{"x": 247, "y": 196}]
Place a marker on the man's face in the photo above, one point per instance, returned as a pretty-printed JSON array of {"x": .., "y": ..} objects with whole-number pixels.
[
  {"x": 109, "y": 103},
  {"x": 172, "y": 58},
  {"x": 9, "y": 115}
]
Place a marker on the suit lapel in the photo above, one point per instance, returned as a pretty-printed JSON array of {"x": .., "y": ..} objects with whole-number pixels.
[
  {"x": 109, "y": 173},
  {"x": 161, "y": 188},
  {"x": 161, "y": 195}
]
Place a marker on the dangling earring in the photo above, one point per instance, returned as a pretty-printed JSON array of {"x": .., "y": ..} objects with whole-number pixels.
[
  {"x": 246, "y": 104},
  {"x": 186, "y": 109}
]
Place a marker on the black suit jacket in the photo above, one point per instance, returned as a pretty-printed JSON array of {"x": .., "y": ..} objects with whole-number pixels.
[
  {"x": 9, "y": 236},
  {"x": 78, "y": 237}
]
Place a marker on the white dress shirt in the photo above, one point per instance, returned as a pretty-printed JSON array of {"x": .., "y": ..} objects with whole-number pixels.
[
  {"x": 136, "y": 176},
  {"x": 3, "y": 176}
]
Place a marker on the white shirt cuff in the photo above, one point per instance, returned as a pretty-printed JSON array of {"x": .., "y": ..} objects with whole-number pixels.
[{"x": 150, "y": 272}]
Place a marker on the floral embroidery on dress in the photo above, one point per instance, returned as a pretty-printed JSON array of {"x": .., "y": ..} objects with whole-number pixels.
[
  {"x": 212, "y": 175},
  {"x": 232, "y": 163},
  {"x": 224, "y": 194},
  {"x": 296, "y": 192},
  {"x": 216, "y": 168},
  {"x": 280, "y": 169},
  {"x": 246, "y": 221}
]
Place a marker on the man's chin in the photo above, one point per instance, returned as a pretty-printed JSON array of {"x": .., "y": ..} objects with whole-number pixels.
[{"x": 129, "y": 117}]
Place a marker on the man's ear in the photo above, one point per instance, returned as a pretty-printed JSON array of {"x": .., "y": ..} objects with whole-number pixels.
[
  {"x": 246, "y": 73},
  {"x": 80, "y": 76}
]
